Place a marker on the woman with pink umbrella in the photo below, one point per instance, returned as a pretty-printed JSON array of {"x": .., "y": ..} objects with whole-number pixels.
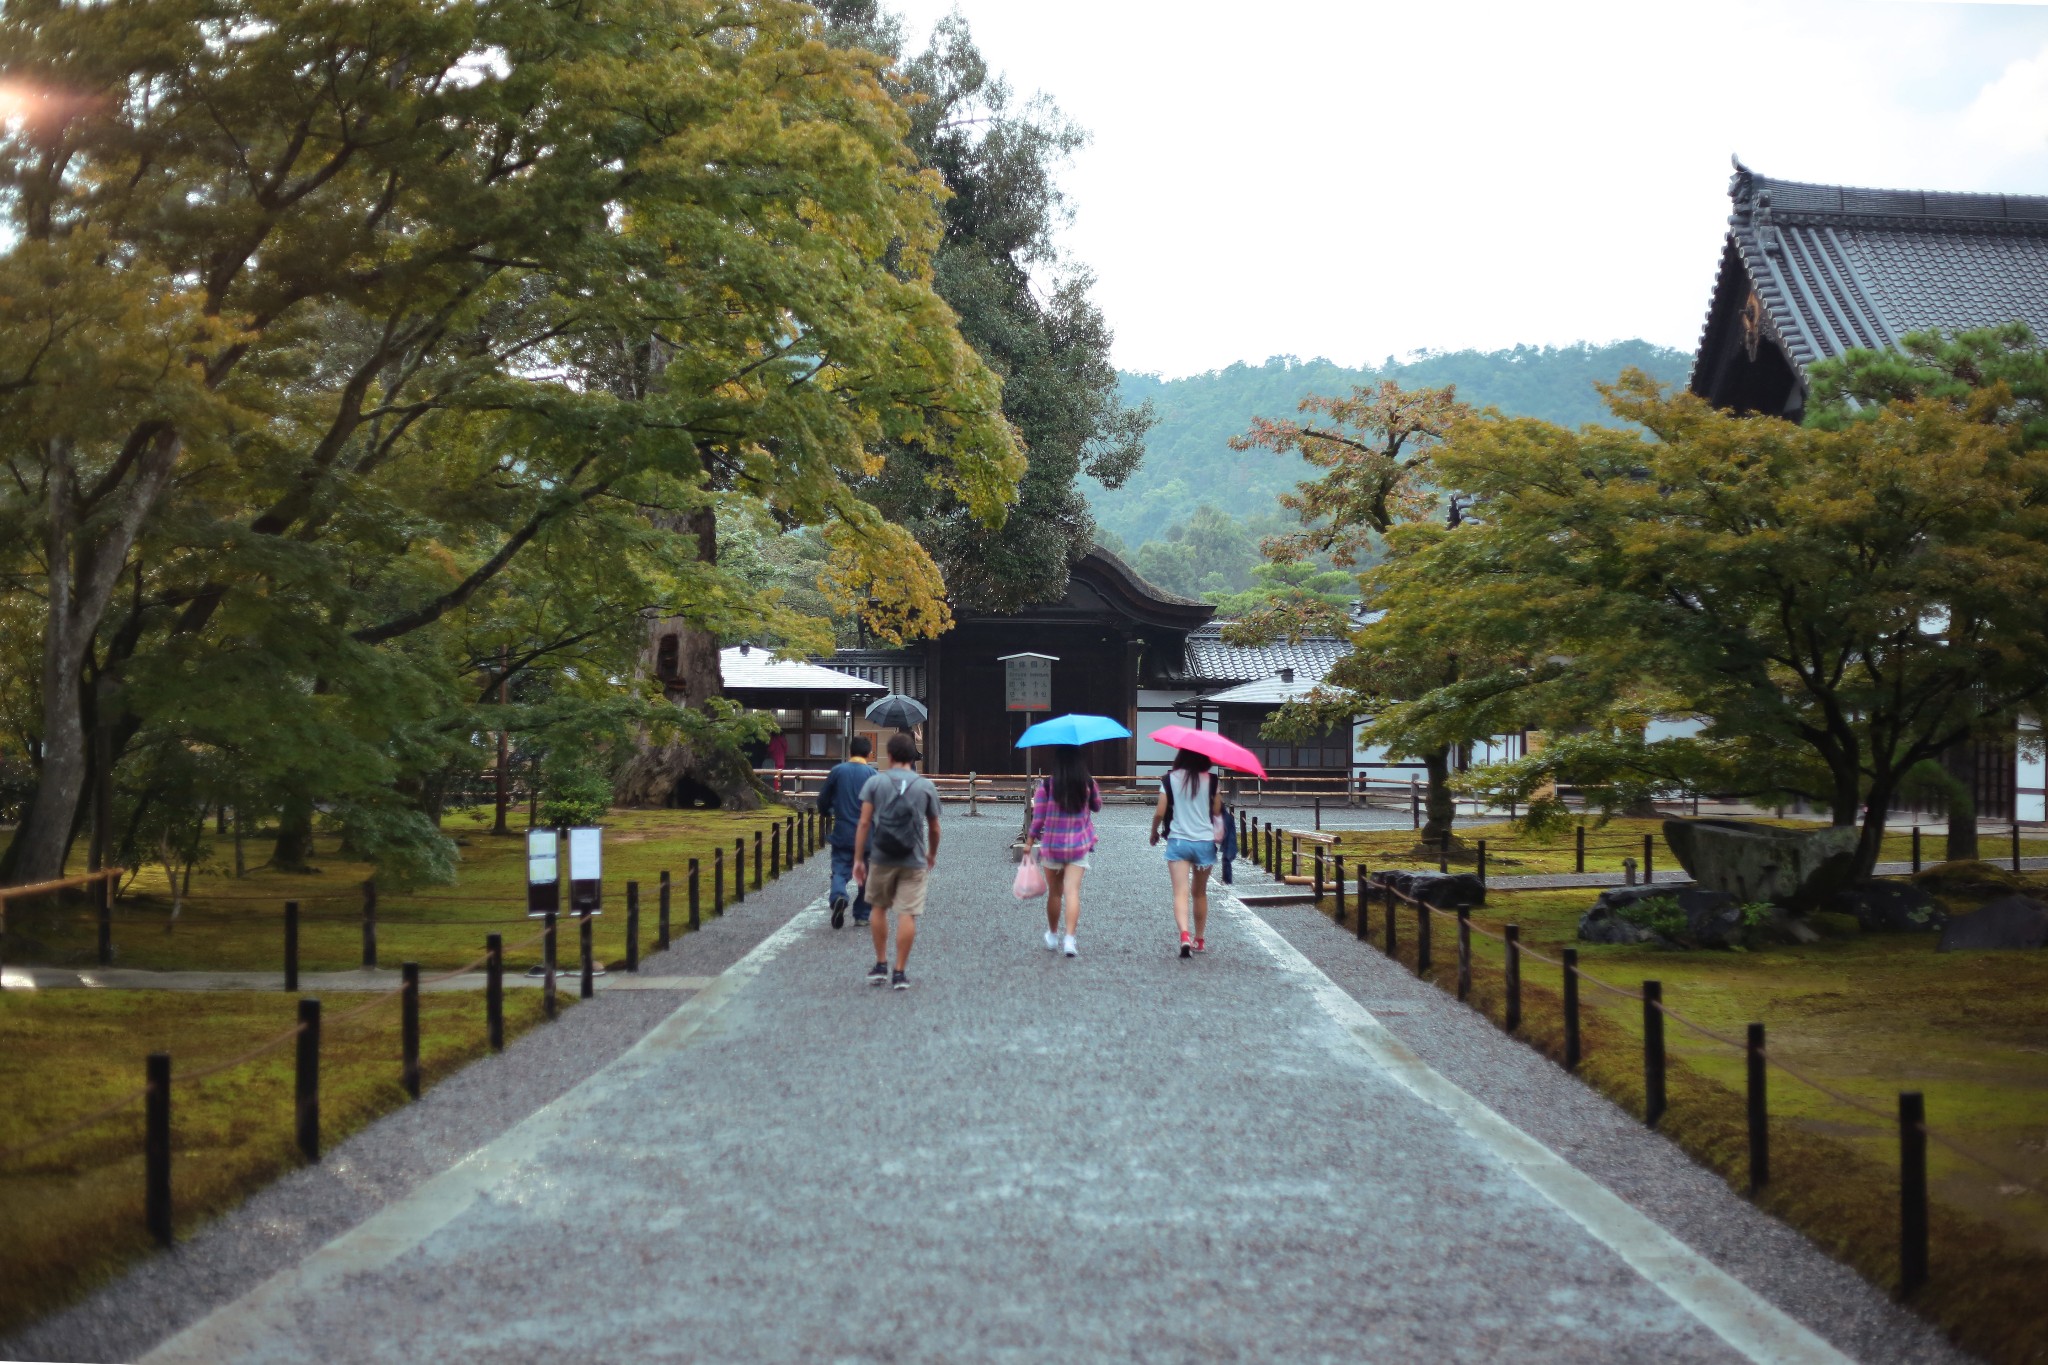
[{"x": 1190, "y": 814}]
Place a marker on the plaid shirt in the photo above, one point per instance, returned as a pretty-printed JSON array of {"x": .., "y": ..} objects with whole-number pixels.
[{"x": 1062, "y": 837}]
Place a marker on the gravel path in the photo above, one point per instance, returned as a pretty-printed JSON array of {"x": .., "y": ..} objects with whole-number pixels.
[{"x": 1023, "y": 1157}]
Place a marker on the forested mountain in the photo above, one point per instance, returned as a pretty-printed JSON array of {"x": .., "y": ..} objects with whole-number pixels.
[{"x": 1188, "y": 460}]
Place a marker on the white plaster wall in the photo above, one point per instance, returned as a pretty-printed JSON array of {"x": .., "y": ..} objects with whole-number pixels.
[
  {"x": 2032, "y": 774},
  {"x": 1154, "y": 757}
]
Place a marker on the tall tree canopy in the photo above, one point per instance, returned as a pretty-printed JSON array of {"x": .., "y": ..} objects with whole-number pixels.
[
  {"x": 1839, "y": 602},
  {"x": 349, "y": 352},
  {"x": 1024, "y": 310}
]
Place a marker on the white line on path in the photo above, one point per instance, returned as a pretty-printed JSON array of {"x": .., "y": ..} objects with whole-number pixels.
[
  {"x": 250, "y": 1324},
  {"x": 1730, "y": 1309}
]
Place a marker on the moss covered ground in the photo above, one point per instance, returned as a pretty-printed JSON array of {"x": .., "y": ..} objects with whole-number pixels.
[
  {"x": 231, "y": 923},
  {"x": 1511, "y": 851},
  {"x": 1868, "y": 1015},
  {"x": 71, "y": 1211}
]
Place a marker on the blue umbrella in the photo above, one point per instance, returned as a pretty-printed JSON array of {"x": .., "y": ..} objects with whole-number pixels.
[{"x": 1071, "y": 730}]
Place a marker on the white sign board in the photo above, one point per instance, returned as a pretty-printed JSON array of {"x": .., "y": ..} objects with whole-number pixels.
[
  {"x": 586, "y": 876},
  {"x": 543, "y": 872},
  {"x": 1027, "y": 683}
]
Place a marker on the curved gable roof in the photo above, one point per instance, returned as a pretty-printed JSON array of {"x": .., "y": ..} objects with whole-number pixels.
[{"x": 1835, "y": 268}]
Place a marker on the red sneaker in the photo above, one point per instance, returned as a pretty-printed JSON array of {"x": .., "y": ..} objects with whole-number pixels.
[
  {"x": 1187, "y": 946},
  {"x": 1198, "y": 945}
]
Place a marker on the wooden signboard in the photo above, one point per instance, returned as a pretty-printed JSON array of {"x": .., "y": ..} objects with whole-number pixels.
[{"x": 1027, "y": 682}]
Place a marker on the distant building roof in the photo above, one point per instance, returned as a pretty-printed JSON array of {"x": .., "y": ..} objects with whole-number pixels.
[
  {"x": 1267, "y": 691},
  {"x": 1811, "y": 271},
  {"x": 1211, "y": 660},
  {"x": 749, "y": 669}
]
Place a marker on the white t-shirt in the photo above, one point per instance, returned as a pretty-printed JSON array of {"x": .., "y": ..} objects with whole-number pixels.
[{"x": 1189, "y": 806}]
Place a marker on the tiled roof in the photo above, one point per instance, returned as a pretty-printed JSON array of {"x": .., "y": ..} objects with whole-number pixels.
[
  {"x": 758, "y": 670},
  {"x": 1837, "y": 268},
  {"x": 1210, "y": 660},
  {"x": 1273, "y": 690}
]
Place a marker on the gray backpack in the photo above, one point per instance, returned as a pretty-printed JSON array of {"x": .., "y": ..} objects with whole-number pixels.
[{"x": 893, "y": 833}]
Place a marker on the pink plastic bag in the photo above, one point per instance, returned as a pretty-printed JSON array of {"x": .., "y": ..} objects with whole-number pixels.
[{"x": 1030, "y": 881}]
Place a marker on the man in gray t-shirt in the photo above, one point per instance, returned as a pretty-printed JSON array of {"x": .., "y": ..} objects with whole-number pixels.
[{"x": 892, "y": 879}]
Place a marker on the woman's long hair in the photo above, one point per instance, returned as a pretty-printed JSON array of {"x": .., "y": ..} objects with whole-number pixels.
[
  {"x": 1194, "y": 765},
  {"x": 1069, "y": 779}
]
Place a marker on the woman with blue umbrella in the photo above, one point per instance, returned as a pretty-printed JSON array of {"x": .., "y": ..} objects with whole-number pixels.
[{"x": 1061, "y": 832}]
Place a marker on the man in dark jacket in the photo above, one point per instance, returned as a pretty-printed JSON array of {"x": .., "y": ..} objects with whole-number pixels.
[{"x": 840, "y": 798}]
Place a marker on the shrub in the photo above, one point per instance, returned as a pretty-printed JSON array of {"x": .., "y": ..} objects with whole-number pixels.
[
  {"x": 576, "y": 797},
  {"x": 1658, "y": 914}
]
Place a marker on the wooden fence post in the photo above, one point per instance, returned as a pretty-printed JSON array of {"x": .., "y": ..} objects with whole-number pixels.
[
  {"x": 717, "y": 882},
  {"x": 1571, "y": 1009},
  {"x": 1759, "y": 1115},
  {"x": 548, "y": 1006},
  {"x": 156, "y": 1149},
  {"x": 409, "y": 1028},
  {"x": 739, "y": 870},
  {"x": 1319, "y": 878},
  {"x": 291, "y": 946},
  {"x": 1513, "y": 934},
  {"x": 1912, "y": 1192},
  {"x": 1337, "y": 867},
  {"x": 757, "y": 860},
  {"x": 774, "y": 850},
  {"x": 1464, "y": 952},
  {"x": 306, "y": 1089},
  {"x": 632, "y": 926},
  {"x": 661, "y": 921},
  {"x": 494, "y": 991},
  {"x": 1653, "y": 1052},
  {"x": 587, "y": 987},
  {"x": 1580, "y": 848},
  {"x": 1422, "y": 918},
  {"x": 695, "y": 923}
]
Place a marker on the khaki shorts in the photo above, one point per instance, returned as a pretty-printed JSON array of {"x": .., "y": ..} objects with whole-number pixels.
[{"x": 896, "y": 888}]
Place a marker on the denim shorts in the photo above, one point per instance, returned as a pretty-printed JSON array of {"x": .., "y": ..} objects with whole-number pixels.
[{"x": 1200, "y": 852}]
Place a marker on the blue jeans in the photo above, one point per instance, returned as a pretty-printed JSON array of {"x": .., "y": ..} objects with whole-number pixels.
[{"x": 842, "y": 872}]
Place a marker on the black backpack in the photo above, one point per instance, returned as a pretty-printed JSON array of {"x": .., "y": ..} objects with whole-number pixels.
[{"x": 893, "y": 832}]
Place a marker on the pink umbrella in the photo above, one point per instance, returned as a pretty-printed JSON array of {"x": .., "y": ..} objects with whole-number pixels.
[{"x": 1227, "y": 752}]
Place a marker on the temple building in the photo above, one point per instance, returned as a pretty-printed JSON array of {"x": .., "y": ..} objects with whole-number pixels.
[{"x": 1809, "y": 272}]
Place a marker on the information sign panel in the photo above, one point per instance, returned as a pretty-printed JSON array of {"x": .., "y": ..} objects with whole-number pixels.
[
  {"x": 543, "y": 872},
  {"x": 1027, "y": 682},
  {"x": 586, "y": 885}
]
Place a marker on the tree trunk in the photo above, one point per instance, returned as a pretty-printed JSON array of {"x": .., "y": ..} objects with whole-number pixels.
[
  {"x": 1439, "y": 810},
  {"x": 83, "y": 570},
  {"x": 294, "y": 847},
  {"x": 682, "y": 772},
  {"x": 1960, "y": 762},
  {"x": 499, "y": 826}
]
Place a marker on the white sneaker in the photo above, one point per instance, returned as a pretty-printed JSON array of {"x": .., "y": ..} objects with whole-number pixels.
[
  {"x": 1052, "y": 941},
  {"x": 1067, "y": 946}
]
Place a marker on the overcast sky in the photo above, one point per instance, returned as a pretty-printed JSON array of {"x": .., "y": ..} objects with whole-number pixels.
[{"x": 1357, "y": 179}]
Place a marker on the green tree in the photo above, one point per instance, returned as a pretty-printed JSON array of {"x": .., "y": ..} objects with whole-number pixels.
[
  {"x": 299, "y": 365},
  {"x": 1840, "y": 605},
  {"x": 1024, "y": 309}
]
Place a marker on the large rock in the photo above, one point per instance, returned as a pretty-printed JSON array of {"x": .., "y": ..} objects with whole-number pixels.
[
  {"x": 2008, "y": 922},
  {"x": 1890, "y": 908},
  {"x": 1444, "y": 890},
  {"x": 1712, "y": 919},
  {"x": 1797, "y": 868}
]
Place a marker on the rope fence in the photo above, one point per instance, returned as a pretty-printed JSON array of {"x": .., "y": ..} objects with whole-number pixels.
[
  {"x": 801, "y": 834},
  {"x": 1267, "y": 846}
]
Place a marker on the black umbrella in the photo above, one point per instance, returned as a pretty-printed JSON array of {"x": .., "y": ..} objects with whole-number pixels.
[{"x": 897, "y": 711}]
